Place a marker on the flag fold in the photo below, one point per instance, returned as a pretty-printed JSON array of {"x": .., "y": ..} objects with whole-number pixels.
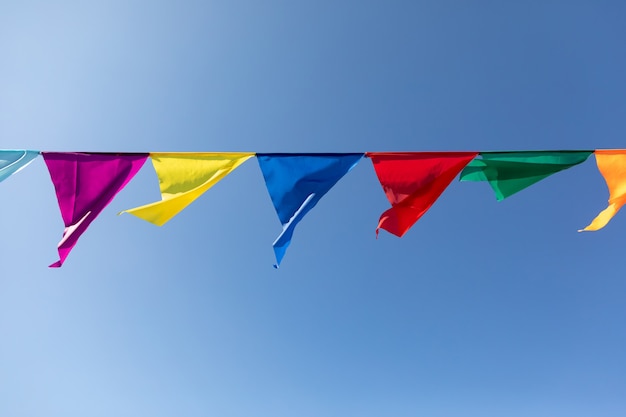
[
  {"x": 85, "y": 183},
  {"x": 296, "y": 183},
  {"x": 183, "y": 177},
  {"x": 412, "y": 182},
  {"x": 510, "y": 172},
  {"x": 612, "y": 166},
  {"x": 11, "y": 161}
]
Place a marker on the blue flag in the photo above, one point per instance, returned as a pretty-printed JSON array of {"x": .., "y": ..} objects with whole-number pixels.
[
  {"x": 14, "y": 160},
  {"x": 296, "y": 182}
]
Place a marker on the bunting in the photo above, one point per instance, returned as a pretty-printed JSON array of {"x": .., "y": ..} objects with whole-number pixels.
[
  {"x": 183, "y": 177},
  {"x": 510, "y": 172},
  {"x": 612, "y": 166},
  {"x": 296, "y": 182},
  {"x": 11, "y": 161},
  {"x": 85, "y": 183},
  {"x": 412, "y": 182}
]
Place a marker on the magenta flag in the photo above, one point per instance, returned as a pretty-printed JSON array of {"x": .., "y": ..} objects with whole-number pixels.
[{"x": 85, "y": 184}]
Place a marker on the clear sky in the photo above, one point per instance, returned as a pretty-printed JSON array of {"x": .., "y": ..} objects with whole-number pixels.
[{"x": 481, "y": 309}]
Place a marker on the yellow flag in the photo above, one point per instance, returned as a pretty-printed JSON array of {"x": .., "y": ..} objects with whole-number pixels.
[
  {"x": 183, "y": 177},
  {"x": 612, "y": 166}
]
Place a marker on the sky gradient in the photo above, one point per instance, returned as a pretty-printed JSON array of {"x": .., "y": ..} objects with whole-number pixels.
[{"x": 483, "y": 308}]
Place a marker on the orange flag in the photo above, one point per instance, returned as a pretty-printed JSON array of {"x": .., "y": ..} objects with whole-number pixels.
[
  {"x": 412, "y": 182},
  {"x": 612, "y": 166}
]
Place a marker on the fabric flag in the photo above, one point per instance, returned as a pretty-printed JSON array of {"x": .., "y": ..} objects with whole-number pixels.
[
  {"x": 612, "y": 166},
  {"x": 412, "y": 182},
  {"x": 296, "y": 182},
  {"x": 510, "y": 172},
  {"x": 85, "y": 184},
  {"x": 183, "y": 177},
  {"x": 12, "y": 161}
]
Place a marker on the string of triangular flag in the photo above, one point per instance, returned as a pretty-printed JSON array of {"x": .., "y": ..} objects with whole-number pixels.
[{"x": 85, "y": 183}]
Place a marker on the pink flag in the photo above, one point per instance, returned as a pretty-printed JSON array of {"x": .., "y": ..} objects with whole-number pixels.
[{"x": 85, "y": 184}]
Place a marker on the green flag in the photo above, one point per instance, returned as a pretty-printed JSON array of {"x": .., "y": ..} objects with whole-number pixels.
[{"x": 510, "y": 172}]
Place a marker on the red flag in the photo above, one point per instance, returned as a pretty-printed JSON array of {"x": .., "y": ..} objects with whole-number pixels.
[{"x": 413, "y": 181}]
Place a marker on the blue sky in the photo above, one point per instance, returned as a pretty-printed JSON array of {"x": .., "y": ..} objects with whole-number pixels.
[{"x": 482, "y": 309}]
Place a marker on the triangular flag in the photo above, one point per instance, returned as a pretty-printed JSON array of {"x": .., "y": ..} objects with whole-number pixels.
[
  {"x": 412, "y": 182},
  {"x": 296, "y": 182},
  {"x": 183, "y": 177},
  {"x": 510, "y": 172},
  {"x": 85, "y": 184},
  {"x": 12, "y": 161},
  {"x": 612, "y": 166}
]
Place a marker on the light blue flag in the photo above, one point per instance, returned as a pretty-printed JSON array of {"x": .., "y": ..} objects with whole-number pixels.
[
  {"x": 12, "y": 161},
  {"x": 296, "y": 182}
]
